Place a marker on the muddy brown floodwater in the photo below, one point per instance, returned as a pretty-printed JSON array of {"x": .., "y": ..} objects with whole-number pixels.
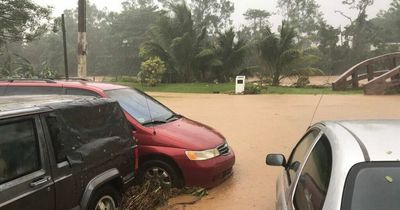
[{"x": 257, "y": 125}]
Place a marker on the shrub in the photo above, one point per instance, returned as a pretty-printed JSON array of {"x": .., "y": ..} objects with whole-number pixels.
[
  {"x": 127, "y": 79},
  {"x": 252, "y": 89},
  {"x": 302, "y": 82},
  {"x": 152, "y": 71},
  {"x": 46, "y": 72}
]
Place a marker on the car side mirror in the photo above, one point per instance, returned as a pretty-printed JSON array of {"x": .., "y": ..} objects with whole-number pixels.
[
  {"x": 74, "y": 159},
  {"x": 276, "y": 160}
]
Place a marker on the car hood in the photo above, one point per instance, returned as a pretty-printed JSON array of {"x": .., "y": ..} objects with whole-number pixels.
[{"x": 188, "y": 134}]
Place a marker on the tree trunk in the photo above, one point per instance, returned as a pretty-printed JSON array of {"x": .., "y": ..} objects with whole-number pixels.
[
  {"x": 276, "y": 77},
  {"x": 203, "y": 75}
]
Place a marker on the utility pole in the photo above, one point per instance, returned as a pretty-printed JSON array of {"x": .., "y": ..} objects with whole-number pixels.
[
  {"x": 65, "y": 47},
  {"x": 82, "y": 41}
]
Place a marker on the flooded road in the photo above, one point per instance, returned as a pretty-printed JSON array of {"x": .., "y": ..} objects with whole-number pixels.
[{"x": 257, "y": 125}]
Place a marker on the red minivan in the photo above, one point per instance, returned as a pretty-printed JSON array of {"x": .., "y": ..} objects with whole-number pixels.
[{"x": 173, "y": 150}]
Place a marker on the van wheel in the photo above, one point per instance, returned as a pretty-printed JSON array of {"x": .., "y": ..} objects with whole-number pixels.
[
  {"x": 160, "y": 173},
  {"x": 105, "y": 198}
]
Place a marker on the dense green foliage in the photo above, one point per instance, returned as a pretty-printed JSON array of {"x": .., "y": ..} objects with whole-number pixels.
[
  {"x": 152, "y": 71},
  {"x": 22, "y": 20},
  {"x": 278, "y": 52},
  {"x": 195, "y": 40}
]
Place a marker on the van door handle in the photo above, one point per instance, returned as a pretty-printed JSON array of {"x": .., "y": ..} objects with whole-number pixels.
[{"x": 41, "y": 181}]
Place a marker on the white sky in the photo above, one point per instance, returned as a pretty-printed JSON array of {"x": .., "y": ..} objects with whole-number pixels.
[{"x": 328, "y": 7}]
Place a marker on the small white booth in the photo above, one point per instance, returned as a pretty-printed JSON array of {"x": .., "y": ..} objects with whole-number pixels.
[{"x": 240, "y": 84}]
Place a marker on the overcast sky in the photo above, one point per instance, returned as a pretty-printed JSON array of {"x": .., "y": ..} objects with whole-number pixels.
[{"x": 328, "y": 7}]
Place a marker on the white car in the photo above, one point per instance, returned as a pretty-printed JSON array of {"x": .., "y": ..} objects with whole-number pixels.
[{"x": 342, "y": 165}]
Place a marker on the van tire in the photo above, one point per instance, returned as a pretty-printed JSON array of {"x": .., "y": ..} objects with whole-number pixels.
[
  {"x": 109, "y": 193},
  {"x": 162, "y": 171}
]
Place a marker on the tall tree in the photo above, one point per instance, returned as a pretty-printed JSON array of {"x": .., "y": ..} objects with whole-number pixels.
[
  {"x": 360, "y": 32},
  {"x": 114, "y": 40},
  {"x": 48, "y": 49},
  {"x": 231, "y": 53},
  {"x": 259, "y": 19},
  {"x": 175, "y": 40},
  {"x": 22, "y": 20},
  {"x": 328, "y": 39},
  {"x": 333, "y": 52},
  {"x": 305, "y": 16},
  {"x": 279, "y": 51},
  {"x": 123, "y": 37},
  {"x": 136, "y": 4},
  {"x": 389, "y": 24},
  {"x": 214, "y": 15}
]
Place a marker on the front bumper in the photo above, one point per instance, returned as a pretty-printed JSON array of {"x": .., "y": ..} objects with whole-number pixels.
[{"x": 208, "y": 173}]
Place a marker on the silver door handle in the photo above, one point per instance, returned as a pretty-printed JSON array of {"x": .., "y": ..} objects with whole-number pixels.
[{"x": 41, "y": 181}]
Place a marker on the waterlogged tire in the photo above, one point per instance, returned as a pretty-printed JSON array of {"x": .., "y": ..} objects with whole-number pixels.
[
  {"x": 160, "y": 173},
  {"x": 105, "y": 198}
]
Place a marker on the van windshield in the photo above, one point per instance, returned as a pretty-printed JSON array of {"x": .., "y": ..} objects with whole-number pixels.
[
  {"x": 140, "y": 106},
  {"x": 373, "y": 186}
]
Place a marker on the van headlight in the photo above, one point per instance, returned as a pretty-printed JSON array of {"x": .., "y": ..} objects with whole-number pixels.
[{"x": 202, "y": 155}]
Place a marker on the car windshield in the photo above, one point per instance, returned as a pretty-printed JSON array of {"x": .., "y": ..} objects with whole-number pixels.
[
  {"x": 140, "y": 106},
  {"x": 373, "y": 186}
]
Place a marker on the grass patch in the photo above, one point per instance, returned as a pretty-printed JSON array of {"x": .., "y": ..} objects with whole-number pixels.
[
  {"x": 184, "y": 87},
  {"x": 230, "y": 87}
]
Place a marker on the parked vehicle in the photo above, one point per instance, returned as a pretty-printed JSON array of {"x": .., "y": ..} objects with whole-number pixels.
[
  {"x": 173, "y": 150},
  {"x": 347, "y": 165},
  {"x": 61, "y": 152}
]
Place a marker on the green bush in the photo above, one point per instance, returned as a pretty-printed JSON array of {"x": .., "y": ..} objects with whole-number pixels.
[
  {"x": 302, "y": 82},
  {"x": 252, "y": 89},
  {"x": 152, "y": 71},
  {"x": 46, "y": 72},
  {"x": 127, "y": 79}
]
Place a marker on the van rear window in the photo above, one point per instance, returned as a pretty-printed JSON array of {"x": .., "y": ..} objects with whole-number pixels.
[{"x": 371, "y": 186}]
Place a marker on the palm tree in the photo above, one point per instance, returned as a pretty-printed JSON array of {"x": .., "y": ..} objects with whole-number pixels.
[
  {"x": 188, "y": 51},
  {"x": 279, "y": 51},
  {"x": 221, "y": 60},
  {"x": 231, "y": 54},
  {"x": 175, "y": 40}
]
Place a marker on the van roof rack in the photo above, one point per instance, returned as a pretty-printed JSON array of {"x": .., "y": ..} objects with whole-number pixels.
[
  {"x": 11, "y": 80},
  {"x": 76, "y": 79}
]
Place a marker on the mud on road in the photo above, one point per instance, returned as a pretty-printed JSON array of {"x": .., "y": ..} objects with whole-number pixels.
[{"x": 257, "y": 125}]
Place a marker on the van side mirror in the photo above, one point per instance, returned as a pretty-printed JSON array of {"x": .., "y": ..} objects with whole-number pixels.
[
  {"x": 74, "y": 159},
  {"x": 276, "y": 160}
]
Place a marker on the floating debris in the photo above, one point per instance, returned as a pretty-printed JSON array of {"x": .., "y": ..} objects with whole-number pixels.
[
  {"x": 150, "y": 196},
  {"x": 389, "y": 179}
]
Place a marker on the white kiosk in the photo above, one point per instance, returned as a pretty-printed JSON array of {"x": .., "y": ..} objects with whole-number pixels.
[{"x": 240, "y": 84}]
